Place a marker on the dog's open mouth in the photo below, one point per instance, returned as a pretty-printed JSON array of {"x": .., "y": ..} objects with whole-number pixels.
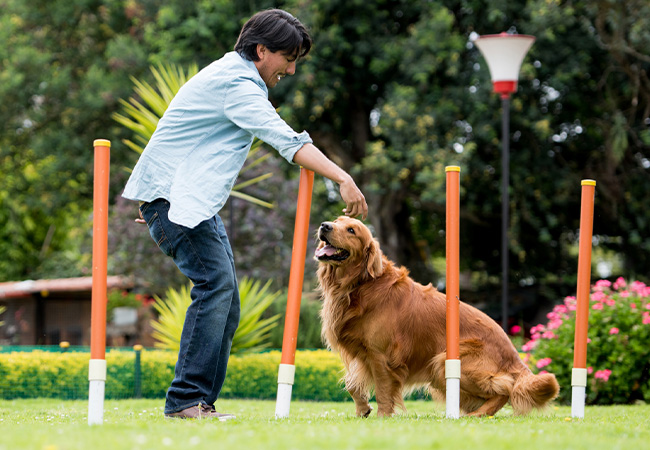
[{"x": 330, "y": 253}]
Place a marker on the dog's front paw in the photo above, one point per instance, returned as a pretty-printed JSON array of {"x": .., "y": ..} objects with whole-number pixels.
[{"x": 364, "y": 411}]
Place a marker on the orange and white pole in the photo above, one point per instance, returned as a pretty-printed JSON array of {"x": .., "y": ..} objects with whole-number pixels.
[
  {"x": 287, "y": 371},
  {"x": 452, "y": 363},
  {"x": 579, "y": 373},
  {"x": 97, "y": 366}
]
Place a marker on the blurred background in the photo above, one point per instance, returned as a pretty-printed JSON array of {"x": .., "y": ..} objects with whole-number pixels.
[{"x": 393, "y": 91}]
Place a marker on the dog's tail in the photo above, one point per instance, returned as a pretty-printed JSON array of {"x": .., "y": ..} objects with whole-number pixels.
[{"x": 533, "y": 391}]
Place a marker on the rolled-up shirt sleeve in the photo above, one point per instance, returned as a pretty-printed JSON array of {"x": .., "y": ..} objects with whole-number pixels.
[{"x": 246, "y": 104}]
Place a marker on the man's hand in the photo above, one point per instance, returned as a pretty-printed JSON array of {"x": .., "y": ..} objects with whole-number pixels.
[
  {"x": 354, "y": 200},
  {"x": 311, "y": 158},
  {"x": 140, "y": 219}
]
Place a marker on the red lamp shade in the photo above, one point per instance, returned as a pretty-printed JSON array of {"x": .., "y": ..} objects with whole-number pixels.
[{"x": 504, "y": 54}]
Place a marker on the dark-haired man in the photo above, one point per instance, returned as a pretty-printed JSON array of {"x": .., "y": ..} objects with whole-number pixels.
[{"x": 184, "y": 177}]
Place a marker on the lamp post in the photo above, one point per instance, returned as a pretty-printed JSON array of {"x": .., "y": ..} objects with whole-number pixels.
[{"x": 504, "y": 54}]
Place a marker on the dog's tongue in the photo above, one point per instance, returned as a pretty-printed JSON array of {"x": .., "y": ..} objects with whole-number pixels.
[{"x": 328, "y": 250}]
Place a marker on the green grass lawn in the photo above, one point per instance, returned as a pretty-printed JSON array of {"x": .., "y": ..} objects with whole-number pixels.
[{"x": 139, "y": 424}]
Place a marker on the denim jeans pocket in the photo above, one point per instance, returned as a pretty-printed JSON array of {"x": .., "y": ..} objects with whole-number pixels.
[{"x": 158, "y": 234}]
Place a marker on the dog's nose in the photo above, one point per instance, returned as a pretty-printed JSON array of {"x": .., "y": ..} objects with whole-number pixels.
[{"x": 326, "y": 227}]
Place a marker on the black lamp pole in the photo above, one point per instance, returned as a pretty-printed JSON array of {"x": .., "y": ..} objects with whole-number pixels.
[{"x": 505, "y": 206}]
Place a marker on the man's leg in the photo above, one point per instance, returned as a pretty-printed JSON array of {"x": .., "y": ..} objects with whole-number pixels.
[
  {"x": 201, "y": 255},
  {"x": 231, "y": 323}
]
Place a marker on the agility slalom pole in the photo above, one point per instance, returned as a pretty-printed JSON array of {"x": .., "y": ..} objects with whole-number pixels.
[
  {"x": 97, "y": 365},
  {"x": 579, "y": 373},
  {"x": 287, "y": 370},
  {"x": 452, "y": 364}
]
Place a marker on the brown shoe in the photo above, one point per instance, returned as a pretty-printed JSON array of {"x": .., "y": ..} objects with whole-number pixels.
[{"x": 200, "y": 411}]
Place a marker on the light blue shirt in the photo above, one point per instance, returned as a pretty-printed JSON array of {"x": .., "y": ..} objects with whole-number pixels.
[{"x": 202, "y": 140}]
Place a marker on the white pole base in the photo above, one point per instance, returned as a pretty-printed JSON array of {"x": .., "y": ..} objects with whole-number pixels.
[
  {"x": 453, "y": 398},
  {"x": 283, "y": 403},
  {"x": 96, "y": 402},
  {"x": 578, "y": 402},
  {"x": 452, "y": 375},
  {"x": 286, "y": 377},
  {"x": 97, "y": 379},
  {"x": 578, "y": 386}
]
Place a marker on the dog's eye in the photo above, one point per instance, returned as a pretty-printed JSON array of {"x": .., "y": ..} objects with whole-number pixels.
[{"x": 351, "y": 230}]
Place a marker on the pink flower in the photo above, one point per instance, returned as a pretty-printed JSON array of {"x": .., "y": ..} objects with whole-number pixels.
[
  {"x": 625, "y": 294},
  {"x": 598, "y": 296},
  {"x": 548, "y": 335},
  {"x": 603, "y": 375},
  {"x": 528, "y": 346},
  {"x": 590, "y": 370},
  {"x": 554, "y": 324},
  {"x": 638, "y": 287},
  {"x": 619, "y": 283},
  {"x": 570, "y": 303},
  {"x": 543, "y": 362},
  {"x": 647, "y": 306},
  {"x": 560, "y": 309},
  {"x": 516, "y": 329},
  {"x": 597, "y": 306},
  {"x": 602, "y": 284},
  {"x": 613, "y": 330},
  {"x": 646, "y": 318},
  {"x": 539, "y": 328},
  {"x": 633, "y": 305},
  {"x": 542, "y": 372}
]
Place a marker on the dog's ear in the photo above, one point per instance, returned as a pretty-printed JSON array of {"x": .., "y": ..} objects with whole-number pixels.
[{"x": 374, "y": 265}]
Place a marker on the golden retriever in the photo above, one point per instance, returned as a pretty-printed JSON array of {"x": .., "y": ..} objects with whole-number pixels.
[{"x": 390, "y": 333}]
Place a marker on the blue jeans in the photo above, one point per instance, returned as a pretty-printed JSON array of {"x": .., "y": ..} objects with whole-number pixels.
[{"x": 202, "y": 254}]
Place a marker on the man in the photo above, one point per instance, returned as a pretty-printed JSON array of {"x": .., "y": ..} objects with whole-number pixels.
[{"x": 185, "y": 175}]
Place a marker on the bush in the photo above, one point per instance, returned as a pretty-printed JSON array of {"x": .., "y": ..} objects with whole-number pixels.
[
  {"x": 618, "y": 350},
  {"x": 65, "y": 375},
  {"x": 318, "y": 375},
  {"x": 253, "y": 332},
  {"x": 309, "y": 325}
]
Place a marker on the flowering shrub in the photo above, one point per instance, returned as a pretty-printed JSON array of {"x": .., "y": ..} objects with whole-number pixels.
[{"x": 618, "y": 345}]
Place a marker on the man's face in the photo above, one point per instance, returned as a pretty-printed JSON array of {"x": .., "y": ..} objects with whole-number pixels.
[{"x": 274, "y": 66}]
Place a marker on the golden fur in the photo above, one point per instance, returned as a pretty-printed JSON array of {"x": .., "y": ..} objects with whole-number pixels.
[{"x": 390, "y": 333}]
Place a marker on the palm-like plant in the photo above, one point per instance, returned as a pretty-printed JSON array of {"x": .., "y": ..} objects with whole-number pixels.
[
  {"x": 2, "y": 309},
  {"x": 253, "y": 333},
  {"x": 142, "y": 117}
]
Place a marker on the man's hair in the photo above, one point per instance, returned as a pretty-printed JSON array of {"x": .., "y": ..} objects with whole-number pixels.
[{"x": 277, "y": 30}]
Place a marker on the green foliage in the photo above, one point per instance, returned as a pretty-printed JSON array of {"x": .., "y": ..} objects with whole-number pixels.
[
  {"x": 618, "y": 350},
  {"x": 392, "y": 90},
  {"x": 41, "y": 374},
  {"x": 309, "y": 325},
  {"x": 143, "y": 119},
  {"x": 2, "y": 310},
  {"x": 171, "y": 317},
  {"x": 255, "y": 376},
  {"x": 252, "y": 334}
]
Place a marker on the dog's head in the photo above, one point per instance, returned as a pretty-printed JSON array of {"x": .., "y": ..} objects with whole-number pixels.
[{"x": 348, "y": 243}]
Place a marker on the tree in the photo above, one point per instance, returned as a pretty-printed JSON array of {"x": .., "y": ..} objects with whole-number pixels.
[
  {"x": 63, "y": 65},
  {"x": 395, "y": 90}
]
